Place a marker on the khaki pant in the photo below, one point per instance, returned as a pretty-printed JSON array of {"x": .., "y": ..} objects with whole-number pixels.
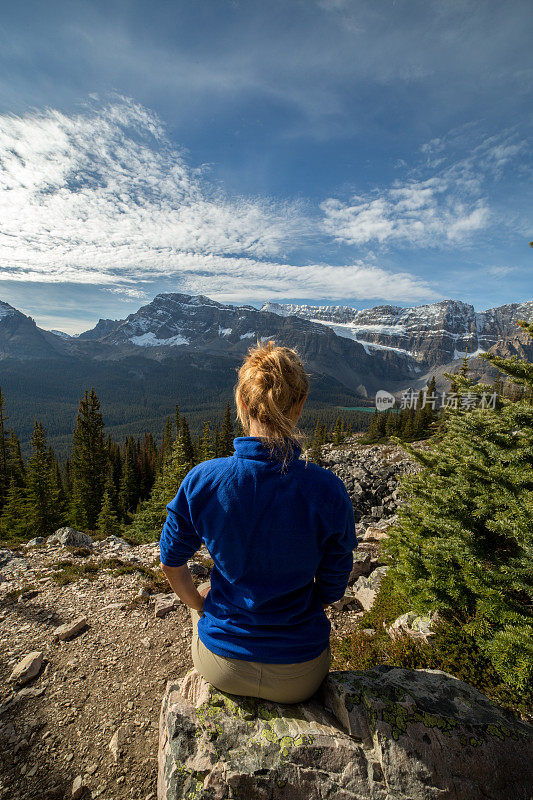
[{"x": 282, "y": 683}]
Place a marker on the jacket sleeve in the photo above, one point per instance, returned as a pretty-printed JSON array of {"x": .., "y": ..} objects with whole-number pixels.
[
  {"x": 179, "y": 538},
  {"x": 337, "y": 562}
]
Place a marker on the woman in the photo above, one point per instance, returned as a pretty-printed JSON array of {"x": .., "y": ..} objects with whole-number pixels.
[{"x": 280, "y": 531}]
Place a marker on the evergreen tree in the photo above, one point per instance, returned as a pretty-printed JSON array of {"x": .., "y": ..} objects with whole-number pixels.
[
  {"x": 316, "y": 444},
  {"x": 151, "y": 515},
  {"x": 463, "y": 540},
  {"x": 15, "y": 463},
  {"x": 89, "y": 463},
  {"x": 205, "y": 444},
  {"x": 226, "y": 433},
  {"x": 168, "y": 438},
  {"x": 14, "y": 521},
  {"x": 187, "y": 442},
  {"x": 337, "y": 431},
  {"x": 390, "y": 423},
  {"x": 216, "y": 443},
  {"x": 107, "y": 523},
  {"x": 128, "y": 495},
  {"x": 43, "y": 490}
]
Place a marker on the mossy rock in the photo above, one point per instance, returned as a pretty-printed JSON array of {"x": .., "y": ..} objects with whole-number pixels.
[{"x": 387, "y": 732}]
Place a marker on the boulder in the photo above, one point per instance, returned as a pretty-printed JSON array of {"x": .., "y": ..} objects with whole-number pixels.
[
  {"x": 34, "y": 542},
  {"x": 380, "y": 734},
  {"x": 366, "y": 589},
  {"x": 70, "y": 537}
]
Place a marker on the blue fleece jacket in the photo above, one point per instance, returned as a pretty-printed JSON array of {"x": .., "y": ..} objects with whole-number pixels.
[{"x": 281, "y": 545}]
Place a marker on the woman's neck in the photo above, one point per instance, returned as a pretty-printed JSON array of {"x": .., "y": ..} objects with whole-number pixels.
[{"x": 258, "y": 429}]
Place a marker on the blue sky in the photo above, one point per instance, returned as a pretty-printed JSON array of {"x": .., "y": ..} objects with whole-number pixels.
[{"x": 330, "y": 151}]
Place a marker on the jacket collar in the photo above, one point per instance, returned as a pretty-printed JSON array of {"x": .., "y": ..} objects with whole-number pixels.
[{"x": 252, "y": 447}]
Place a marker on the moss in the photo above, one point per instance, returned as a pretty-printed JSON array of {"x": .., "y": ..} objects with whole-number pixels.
[
  {"x": 29, "y": 590},
  {"x": 79, "y": 552},
  {"x": 70, "y": 572}
]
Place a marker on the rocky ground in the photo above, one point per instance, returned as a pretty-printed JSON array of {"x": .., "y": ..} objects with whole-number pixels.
[{"x": 86, "y": 725}]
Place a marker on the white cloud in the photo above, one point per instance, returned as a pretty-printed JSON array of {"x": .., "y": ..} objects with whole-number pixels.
[
  {"x": 127, "y": 292},
  {"x": 441, "y": 203},
  {"x": 103, "y": 198}
]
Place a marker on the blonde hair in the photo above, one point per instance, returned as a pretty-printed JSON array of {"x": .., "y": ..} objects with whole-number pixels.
[{"x": 272, "y": 381}]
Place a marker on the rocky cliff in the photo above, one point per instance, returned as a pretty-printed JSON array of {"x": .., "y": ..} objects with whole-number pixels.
[{"x": 432, "y": 335}]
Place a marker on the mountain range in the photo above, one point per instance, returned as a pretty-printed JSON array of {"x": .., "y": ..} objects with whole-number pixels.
[{"x": 180, "y": 347}]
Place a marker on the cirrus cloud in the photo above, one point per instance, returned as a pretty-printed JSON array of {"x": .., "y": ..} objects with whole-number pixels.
[{"x": 103, "y": 197}]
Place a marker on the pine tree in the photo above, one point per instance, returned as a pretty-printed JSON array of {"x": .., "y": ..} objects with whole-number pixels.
[
  {"x": 226, "y": 433},
  {"x": 14, "y": 521},
  {"x": 463, "y": 540},
  {"x": 390, "y": 423},
  {"x": 128, "y": 495},
  {"x": 168, "y": 438},
  {"x": 337, "y": 431},
  {"x": 187, "y": 442},
  {"x": 89, "y": 463},
  {"x": 107, "y": 523},
  {"x": 205, "y": 444},
  {"x": 316, "y": 445},
  {"x": 216, "y": 443},
  {"x": 43, "y": 490},
  {"x": 151, "y": 515},
  {"x": 15, "y": 463}
]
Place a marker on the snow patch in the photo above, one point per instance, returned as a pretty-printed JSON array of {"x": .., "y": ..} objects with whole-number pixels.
[
  {"x": 224, "y": 331},
  {"x": 247, "y": 335},
  {"x": 150, "y": 340}
]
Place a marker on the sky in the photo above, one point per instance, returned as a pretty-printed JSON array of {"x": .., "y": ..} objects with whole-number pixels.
[{"x": 354, "y": 152}]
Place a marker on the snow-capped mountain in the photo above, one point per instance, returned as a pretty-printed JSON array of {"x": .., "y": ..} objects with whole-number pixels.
[
  {"x": 432, "y": 335},
  {"x": 180, "y": 323},
  {"x": 21, "y": 338}
]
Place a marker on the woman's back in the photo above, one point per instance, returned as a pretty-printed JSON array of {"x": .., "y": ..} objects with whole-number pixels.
[{"x": 281, "y": 544}]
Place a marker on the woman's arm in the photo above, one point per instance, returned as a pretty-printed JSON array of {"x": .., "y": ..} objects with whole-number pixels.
[{"x": 181, "y": 582}]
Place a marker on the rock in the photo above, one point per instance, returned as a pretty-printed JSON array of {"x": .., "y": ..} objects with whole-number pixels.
[
  {"x": 164, "y": 604},
  {"x": 348, "y": 600},
  {"x": 198, "y": 569},
  {"x": 70, "y": 537},
  {"x": 366, "y": 589},
  {"x": 70, "y": 629},
  {"x": 369, "y": 631},
  {"x": 361, "y": 565},
  {"x": 418, "y": 626},
  {"x": 34, "y": 542},
  {"x": 374, "y": 534},
  {"x": 384, "y": 733},
  {"x": 77, "y": 788},
  {"x": 115, "y": 542},
  {"x": 6, "y": 556},
  {"x": 28, "y": 668},
  {"x": 119, "y": 739}
]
